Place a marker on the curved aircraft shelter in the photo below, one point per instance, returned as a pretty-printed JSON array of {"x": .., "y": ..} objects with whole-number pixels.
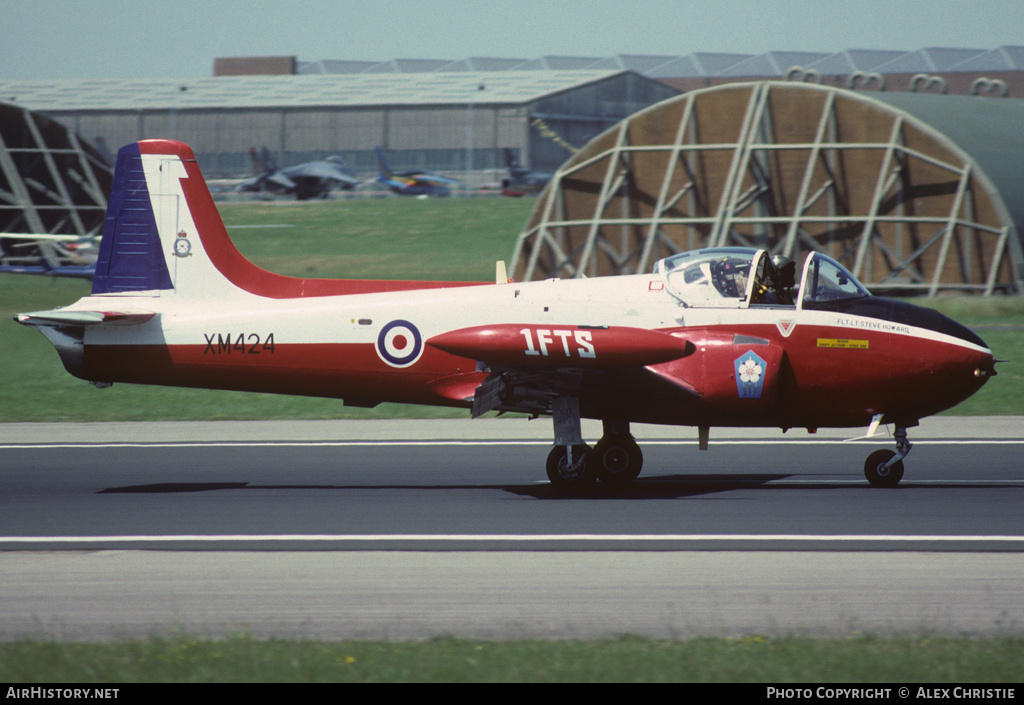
[
  {"x": 914, "y": 193},
  {"x": 51, "y": 183}
]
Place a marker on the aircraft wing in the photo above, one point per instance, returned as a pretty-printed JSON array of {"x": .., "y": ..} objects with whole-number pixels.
[
  {"x": 630, "y": 391},
  {"x": 252, "y": 184},
  {"x": 320, "y": 170},
  {"x": 281, "y": 180},
  {"x": 605, "y": 365},
  {"x": 396, "y": 182},
  {"x": 70, "y": 271},
  {"x": 33, "y": 238},
  {"x": 422, "y": 177},
  {"x": 433, "y": 178},
  {"x": 61, "y": 317}
]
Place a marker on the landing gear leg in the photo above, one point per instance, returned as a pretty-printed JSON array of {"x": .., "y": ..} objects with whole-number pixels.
[
  {"x": 884, "y": 468},
  {"x": 567, "y": 464},
  {"x": 616, "y": 458}
]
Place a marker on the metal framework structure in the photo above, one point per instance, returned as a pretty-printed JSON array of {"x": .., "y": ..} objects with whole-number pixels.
[
  {"x": 791, "y": 167},
  {"x": 50, "y": 183}
]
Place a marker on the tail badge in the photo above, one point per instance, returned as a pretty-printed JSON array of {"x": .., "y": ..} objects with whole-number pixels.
[{"x": 182, "y": 246}]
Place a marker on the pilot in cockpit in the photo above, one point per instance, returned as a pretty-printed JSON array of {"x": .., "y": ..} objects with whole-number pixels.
[
  {"x": 729, "y": 275},
  {"x": 707, "y": 280},
  {"x": 775, "y": 282}
]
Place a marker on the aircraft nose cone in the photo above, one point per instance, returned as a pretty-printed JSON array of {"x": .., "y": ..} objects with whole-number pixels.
[
  {"x": 986, "y": 367},
  {"x": 947, "y": 365},
  {"x": 969, "y": 371}
]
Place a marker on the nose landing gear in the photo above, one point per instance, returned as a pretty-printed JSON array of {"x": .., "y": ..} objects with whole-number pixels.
[{"x": 884, "y": 468}]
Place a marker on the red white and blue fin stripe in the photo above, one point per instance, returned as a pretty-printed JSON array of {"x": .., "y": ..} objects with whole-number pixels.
[{"x": 130, "y": 256}]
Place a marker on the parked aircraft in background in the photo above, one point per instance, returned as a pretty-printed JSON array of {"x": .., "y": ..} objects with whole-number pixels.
[
  {"x": 412, "y": 183},
  {"x": 714, "y": 337},
  {"x": 52, "y": 255},
  {"x": 309, "y": 180},
  {"x": 520, "y": 180}
]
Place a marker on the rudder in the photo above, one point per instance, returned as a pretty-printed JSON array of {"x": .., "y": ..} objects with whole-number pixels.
[{"x": 130, "y": 256}]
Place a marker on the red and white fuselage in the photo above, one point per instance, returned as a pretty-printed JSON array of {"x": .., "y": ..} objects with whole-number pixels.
[{"x": 174, "y": 303}]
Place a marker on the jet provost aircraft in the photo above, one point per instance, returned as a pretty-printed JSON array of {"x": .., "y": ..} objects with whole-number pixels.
[{"x": 714, "y": 337}]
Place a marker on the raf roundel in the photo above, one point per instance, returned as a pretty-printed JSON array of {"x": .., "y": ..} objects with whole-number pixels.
[{"x": 399, "y": 344}]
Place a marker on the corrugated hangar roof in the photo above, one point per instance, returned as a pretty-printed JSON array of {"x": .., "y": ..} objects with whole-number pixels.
[
  {"x": 774, "y": 63},
  {"x": 1001, "y": 59},
  {"x": 697, "y": 65},
  {"x": 854, "y": 60},
  {"x": 346, "y": 89},
  {"x": 507, "y": 80},
  {"x": 930, "y": 59},
  {"x": 709, "y": 64}
]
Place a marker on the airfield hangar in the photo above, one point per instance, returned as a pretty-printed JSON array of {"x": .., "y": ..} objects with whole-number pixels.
[
  {"x": 860, "y": 154},
  {"x": 451, "y": 122},
  {"x": 51, "y": 181},
  {"x": 914, "y": 193}
]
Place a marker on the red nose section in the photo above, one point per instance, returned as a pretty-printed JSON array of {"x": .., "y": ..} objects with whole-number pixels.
[{"x": 534, "y": 345}]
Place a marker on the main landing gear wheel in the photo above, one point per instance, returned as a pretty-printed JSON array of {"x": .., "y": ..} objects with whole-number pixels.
[
  {"x": 616, "y": 460},
  {"x": 565, "y": 474},
  {"x": 878, "y": 473}
]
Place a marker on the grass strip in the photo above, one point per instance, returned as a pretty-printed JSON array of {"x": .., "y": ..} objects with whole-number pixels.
[{"x": 752, "y": 659}]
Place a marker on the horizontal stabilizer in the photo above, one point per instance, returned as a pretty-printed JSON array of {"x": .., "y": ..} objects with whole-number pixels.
[{"x": 83, "y": 318}]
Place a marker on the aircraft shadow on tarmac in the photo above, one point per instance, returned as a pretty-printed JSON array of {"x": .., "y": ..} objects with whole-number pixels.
[{"x": 655, "y": 487}]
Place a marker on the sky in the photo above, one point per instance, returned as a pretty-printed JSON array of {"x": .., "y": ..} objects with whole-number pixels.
[{"x": 56, "y": 39}]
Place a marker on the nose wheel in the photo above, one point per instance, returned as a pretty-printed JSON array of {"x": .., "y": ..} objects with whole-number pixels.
[{"x": 884, "y": 468}]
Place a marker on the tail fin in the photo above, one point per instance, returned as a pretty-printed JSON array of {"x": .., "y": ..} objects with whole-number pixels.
[
  {"x": 254, "y": 157},
  {"x": 164, "y": 236},
  {"x": 131, "y": 256},
  {"x": 511, "y": 161},
  {"x": 382, "y": 163},
  {"x": 261, "y": 160},
  {"x": 267, "y": 160}
]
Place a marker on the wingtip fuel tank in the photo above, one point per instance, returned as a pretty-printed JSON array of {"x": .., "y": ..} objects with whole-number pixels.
[{"x": 534, "y": 345}]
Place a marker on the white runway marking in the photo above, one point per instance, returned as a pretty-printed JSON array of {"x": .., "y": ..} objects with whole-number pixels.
[
  {"x": 487, "y": 443},
  {"x": 513, "y": 538}
]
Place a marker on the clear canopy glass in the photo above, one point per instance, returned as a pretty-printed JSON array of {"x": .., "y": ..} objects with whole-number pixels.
[{"x": 739, "y": 277}]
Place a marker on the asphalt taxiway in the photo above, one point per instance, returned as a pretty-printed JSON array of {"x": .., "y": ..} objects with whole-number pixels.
[{"x": 411, "y": 529}]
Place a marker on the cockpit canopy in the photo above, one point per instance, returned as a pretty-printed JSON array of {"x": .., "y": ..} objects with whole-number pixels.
[{"x": 739, "y": 277}]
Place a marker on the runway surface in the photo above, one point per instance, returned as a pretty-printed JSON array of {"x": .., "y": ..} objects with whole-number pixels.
[{"x": 411, "y": 529}]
